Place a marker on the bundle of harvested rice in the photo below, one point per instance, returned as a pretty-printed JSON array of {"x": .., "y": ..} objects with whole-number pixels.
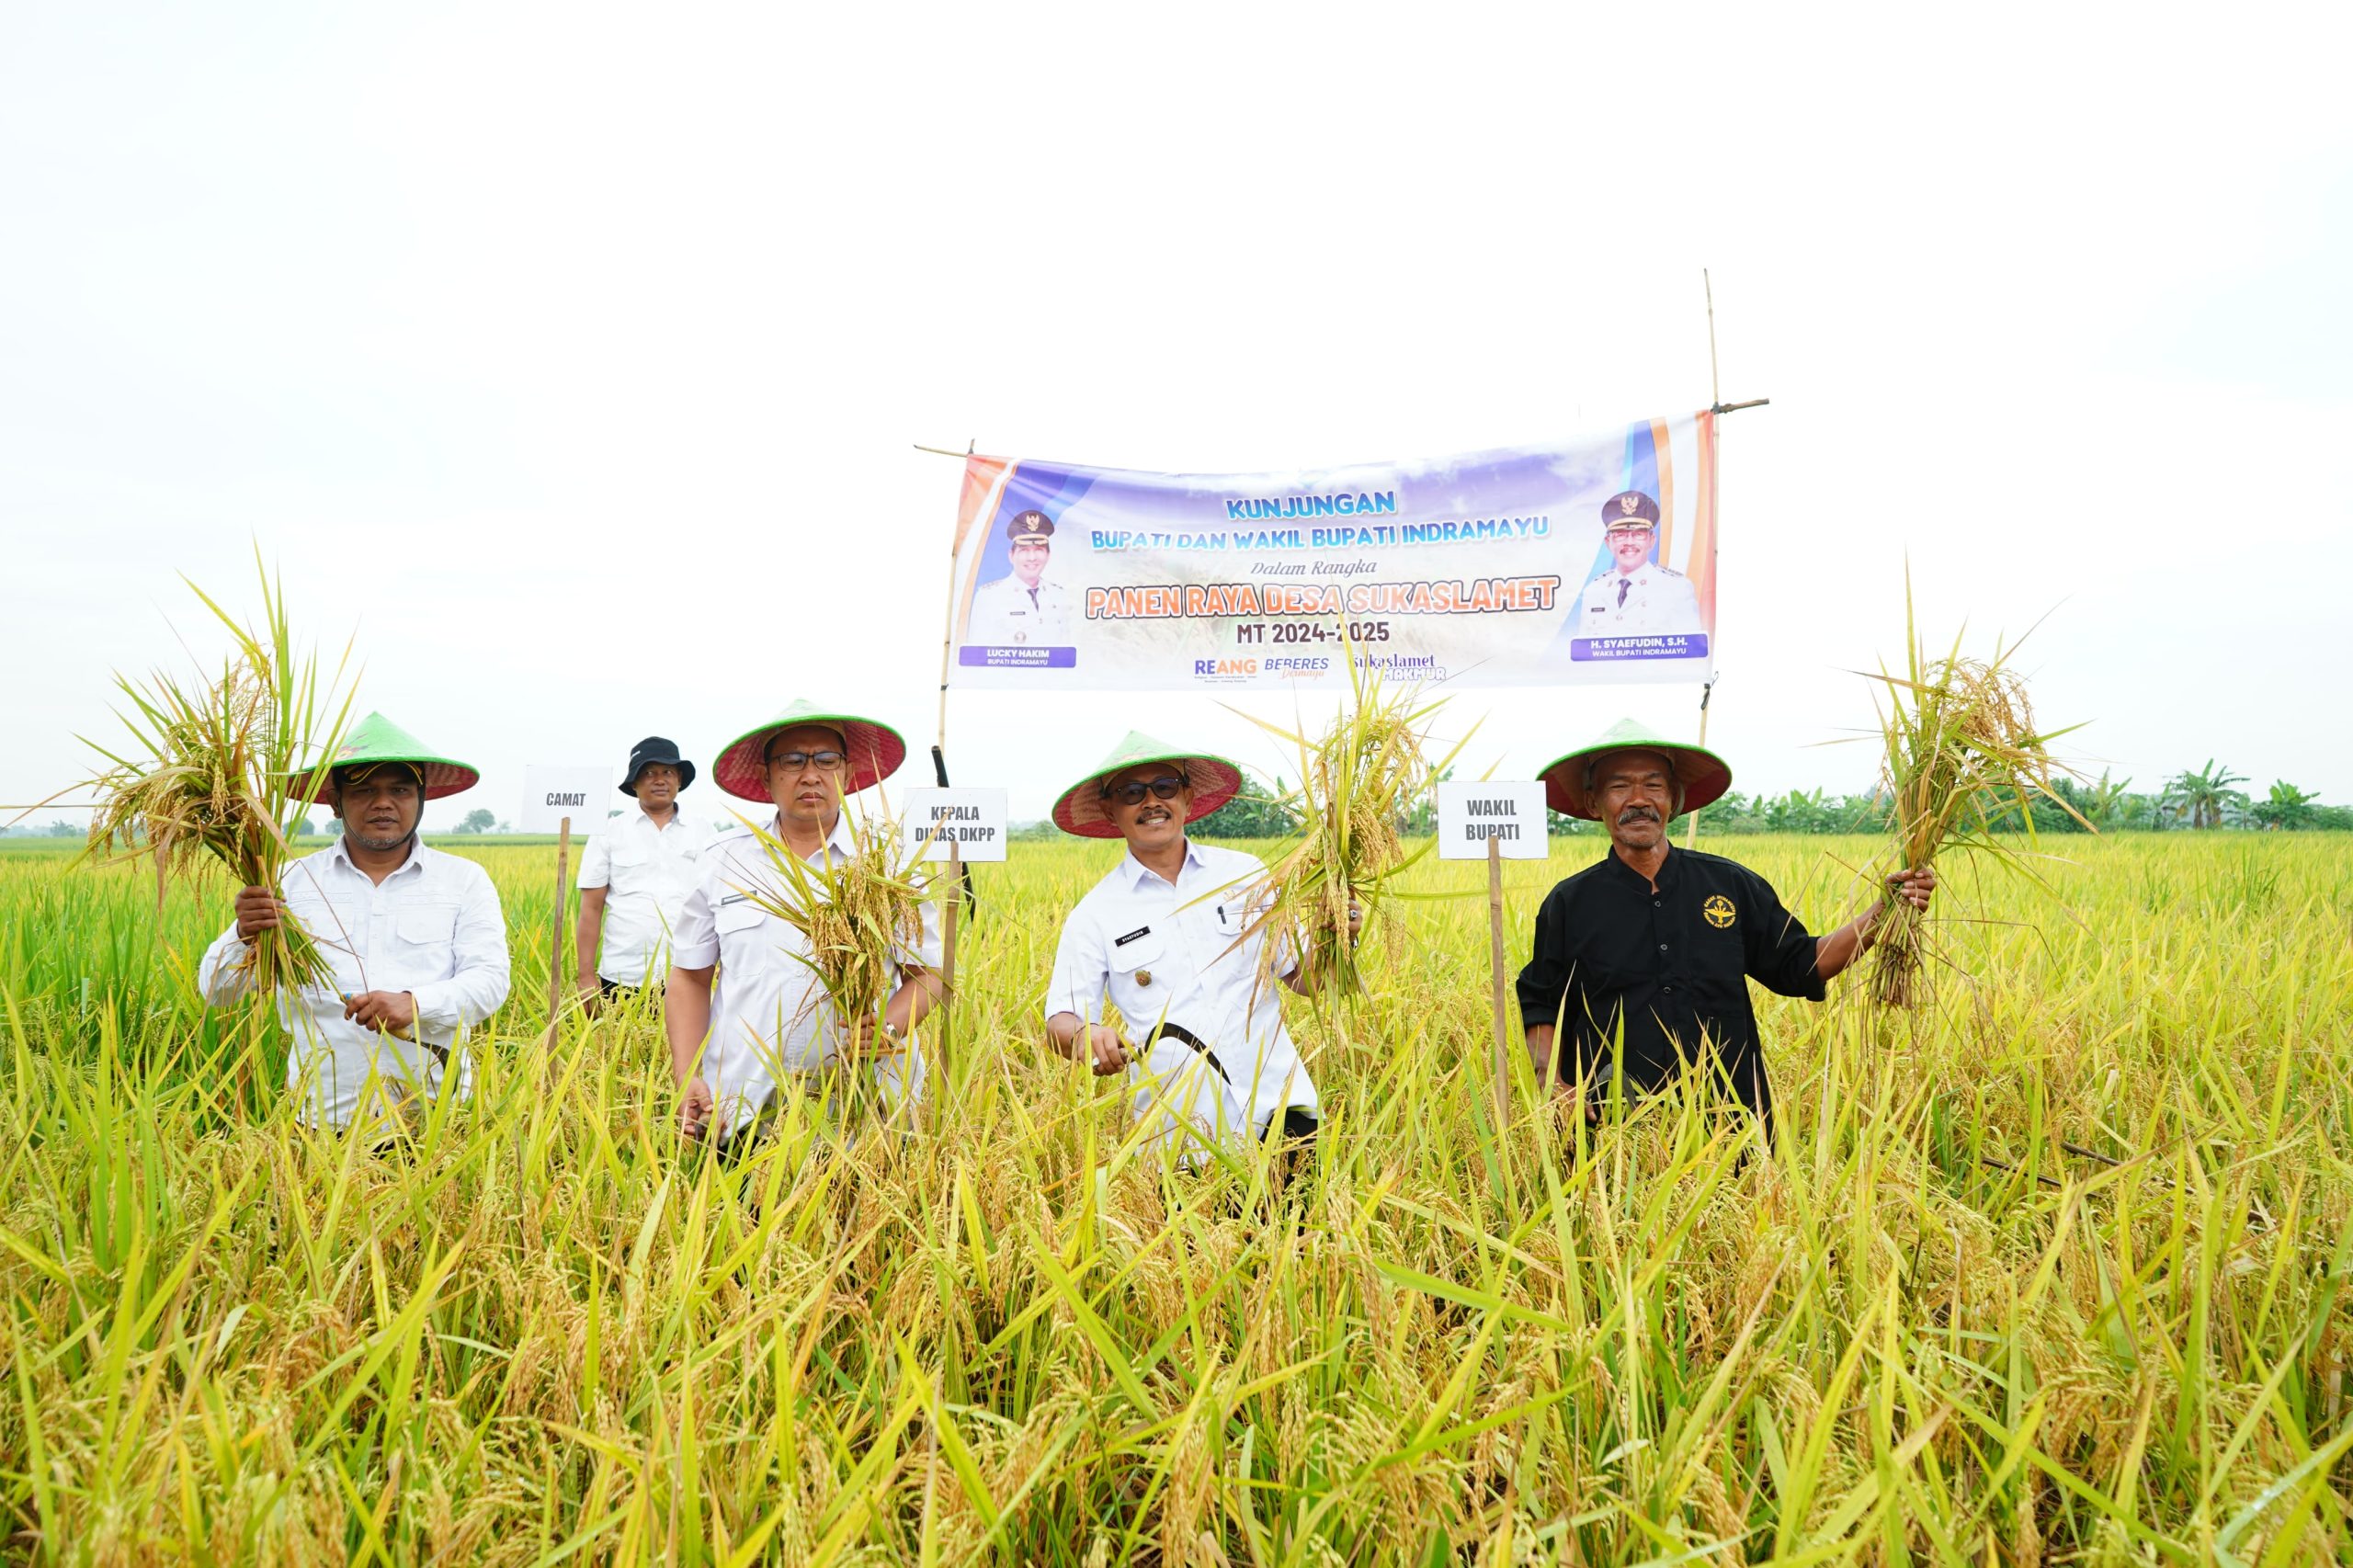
[
  {"x": 1368, "y": 769},
  {"x": 858, "y": 913},
  {"x": 211, "y": 775},
  {"x": 1962, "y": 760}
]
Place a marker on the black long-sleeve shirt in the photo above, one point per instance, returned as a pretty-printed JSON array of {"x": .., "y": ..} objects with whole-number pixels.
[{"x": 1674, "y": 965}]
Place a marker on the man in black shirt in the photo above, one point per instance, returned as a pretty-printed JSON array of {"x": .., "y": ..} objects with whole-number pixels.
[{"x": 1660, "y": 942}]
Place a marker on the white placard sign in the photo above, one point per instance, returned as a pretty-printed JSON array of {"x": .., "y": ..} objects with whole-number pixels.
[
  {"x": 975, "y": 819},
  {"x": 554, "y": 793},
  {"x": 1470, "y": 814}
]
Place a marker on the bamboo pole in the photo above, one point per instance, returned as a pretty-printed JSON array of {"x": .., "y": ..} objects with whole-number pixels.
[
  {"x": 1692, "y": 833},
  {"x": 555, "y": 928},
  {"x": 948, "y": 965},
  {"x": 1496, "y": 978}
]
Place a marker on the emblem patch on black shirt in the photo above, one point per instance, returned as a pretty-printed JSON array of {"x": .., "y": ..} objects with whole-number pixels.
[
  {"x": 1139, "y": 931},
  {"x": 1717, "y": 911}
]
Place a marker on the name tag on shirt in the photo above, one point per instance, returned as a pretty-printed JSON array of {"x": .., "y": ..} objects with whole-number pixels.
[{"x": 1139, "y": 931}]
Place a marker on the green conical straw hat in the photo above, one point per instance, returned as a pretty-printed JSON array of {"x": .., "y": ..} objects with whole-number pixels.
[
  {"x": 1080, "y": 811},
  {"x": 376, "y": 739},
  {"x": 874, "y": 749},
  {"x": 1703, "y": 775}
]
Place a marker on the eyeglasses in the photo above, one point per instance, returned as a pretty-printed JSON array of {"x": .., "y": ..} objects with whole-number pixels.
[
  {"x": 1133, "y": 792},
  {"x": 830, "y": 761}
]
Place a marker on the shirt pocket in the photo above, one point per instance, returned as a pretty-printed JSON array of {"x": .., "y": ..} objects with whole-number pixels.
[
  {"x": 1139, "y": 981},
  {"x": 740, "y": 940},
  {"x": 423, "y": 941}
]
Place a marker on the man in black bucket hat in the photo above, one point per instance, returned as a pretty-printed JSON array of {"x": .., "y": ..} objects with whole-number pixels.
[{"x": 635, "y": 875}]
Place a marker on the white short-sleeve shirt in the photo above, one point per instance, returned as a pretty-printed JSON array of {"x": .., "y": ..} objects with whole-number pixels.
[
  {"x": 432, "y": 928},
  {"x": 647, "y": 870},
  {"x": 1167, "y": 952},
  {"x": 768, "y": 1014}
]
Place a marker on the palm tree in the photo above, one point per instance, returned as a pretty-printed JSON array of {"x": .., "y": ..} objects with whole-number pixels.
[{"x": 2206, "y": 797}]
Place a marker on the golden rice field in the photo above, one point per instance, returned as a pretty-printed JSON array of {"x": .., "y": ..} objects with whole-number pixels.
[{"x": 2057, "y": 1275}]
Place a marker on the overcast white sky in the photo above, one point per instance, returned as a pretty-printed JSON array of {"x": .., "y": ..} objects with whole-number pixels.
[{"x": 573, "y": 356}]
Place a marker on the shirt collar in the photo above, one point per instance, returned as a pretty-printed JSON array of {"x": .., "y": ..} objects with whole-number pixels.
[
  {"x": 1666, "y": 870},
  {"x": 417, "y": 854},
  {"x": 841, "y": 841},
  {"x": 1138, "y": 874}
]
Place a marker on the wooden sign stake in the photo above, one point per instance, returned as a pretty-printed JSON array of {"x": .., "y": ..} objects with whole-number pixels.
[
  {"x": 555, "y": 938},
  {"x": 955, "y": 882},
  {"x": 1496, "y": 962}
]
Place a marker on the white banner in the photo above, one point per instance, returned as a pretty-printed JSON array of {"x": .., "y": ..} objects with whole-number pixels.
[
  {"x": 1472, "y": 814},
  {"x": 973, "y": 820},
  {"x": 553, "y": 793},
  {"x": 1589, "y": 562}
]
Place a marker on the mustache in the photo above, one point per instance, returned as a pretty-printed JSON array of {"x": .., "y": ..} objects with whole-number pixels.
[{"x": 1637, "y": 814}]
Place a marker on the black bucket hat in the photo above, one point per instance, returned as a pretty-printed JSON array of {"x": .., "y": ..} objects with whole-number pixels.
[{"x": 648, "y": 752}]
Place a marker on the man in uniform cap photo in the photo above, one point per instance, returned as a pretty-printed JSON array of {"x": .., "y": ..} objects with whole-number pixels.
[
  {"x": 635, "y": 875},
  {"x": 1023, "y": 607},
  {"x": 1635, "y": 595},
  {"x": 1662, "y": 942},
  {"x": 745, "y": 1012},
  {"x": 1168, "y": 935},
  {"x": 415, "y": 936}
]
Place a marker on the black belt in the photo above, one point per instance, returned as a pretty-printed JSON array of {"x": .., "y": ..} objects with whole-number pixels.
[{"x": 1183, "y": 1036}]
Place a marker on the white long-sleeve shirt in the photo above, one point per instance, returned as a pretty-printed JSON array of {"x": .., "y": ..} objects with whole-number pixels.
[
  {"x": 769, "y": 1014},
  {"x": 1168, "y": 953},
  {"x": 432, "y": 928},
  {"x": 649, "y": 870}
]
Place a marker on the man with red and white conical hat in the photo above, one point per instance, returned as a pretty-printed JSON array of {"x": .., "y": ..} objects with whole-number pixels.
[{"x": 745, "y": 1010}]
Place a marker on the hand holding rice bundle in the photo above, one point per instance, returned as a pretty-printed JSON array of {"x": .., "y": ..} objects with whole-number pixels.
[
  {"x": 213, "y": 776},
  {"x": 858, "y": 913},
  {"x": 1370, "y": 767},
  {"x": 1963, "y": 758}
]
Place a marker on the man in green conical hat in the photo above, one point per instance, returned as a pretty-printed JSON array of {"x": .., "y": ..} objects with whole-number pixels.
[
  {"x": 1169, "y": 937},
  {"x": 1660, "y": 943},
  {"x": 415, "y": 937}
]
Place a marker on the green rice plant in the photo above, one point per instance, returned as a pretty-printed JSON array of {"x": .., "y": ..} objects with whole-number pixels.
[
  {"x": 1961, "y": 759},
  {"x": 2065, "y": 1281},
  {"x": 1358, "y": 780},
  {"x": 209, "y": 776}
]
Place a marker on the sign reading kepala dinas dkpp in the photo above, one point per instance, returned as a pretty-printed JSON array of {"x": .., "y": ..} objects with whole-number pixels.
[{"x": 1587, "y": 563}]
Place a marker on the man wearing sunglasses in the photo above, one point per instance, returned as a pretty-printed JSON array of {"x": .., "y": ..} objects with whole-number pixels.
[
  {"x": 1168, "y": 937},
  {"x": 733, "y": 1044}
]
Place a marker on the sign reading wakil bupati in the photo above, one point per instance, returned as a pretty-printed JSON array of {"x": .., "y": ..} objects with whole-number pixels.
[
  {"x": 1589, "y": 561},
  {"x": 1470, "y": 814},
  {"x": 973, "y": 821},
  {"x": 554, "y": 793}
]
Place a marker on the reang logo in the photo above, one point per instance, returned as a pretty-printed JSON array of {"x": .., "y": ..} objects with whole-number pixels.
[{"x": 1226, "y": 666}]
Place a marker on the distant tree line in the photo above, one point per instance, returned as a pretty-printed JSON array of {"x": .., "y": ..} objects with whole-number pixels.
[{"x": 2194, "y": 800}]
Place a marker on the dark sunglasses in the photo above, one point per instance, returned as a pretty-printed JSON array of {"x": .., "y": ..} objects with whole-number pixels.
[
  {"x": 828, "y": 760},
  {"x": 1133, "y": 792}
]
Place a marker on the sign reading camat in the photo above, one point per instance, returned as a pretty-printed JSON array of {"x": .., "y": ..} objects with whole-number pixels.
[
  {"x": 1470, "y": 814},
  {"x": 552, "y": 793},
  {"x": 971, "y": 820}
]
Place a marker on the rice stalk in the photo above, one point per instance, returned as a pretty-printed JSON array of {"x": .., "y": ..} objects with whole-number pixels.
[
  {"x": 208, "y": 777},
  {"x": 857, "y": 913},
  {"x": 1358, "y": 780},
  {"x": 1962, "y": 759}
]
